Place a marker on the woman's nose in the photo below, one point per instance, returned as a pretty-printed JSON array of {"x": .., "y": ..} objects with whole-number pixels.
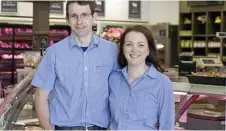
[{"x": 134, "y": 49}]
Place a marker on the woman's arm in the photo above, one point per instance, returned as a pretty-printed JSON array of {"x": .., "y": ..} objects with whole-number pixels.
[{"x": 166, "y": 111}]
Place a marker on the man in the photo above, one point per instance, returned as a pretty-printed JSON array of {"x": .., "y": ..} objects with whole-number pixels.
[{"x": 74, "y": 74}]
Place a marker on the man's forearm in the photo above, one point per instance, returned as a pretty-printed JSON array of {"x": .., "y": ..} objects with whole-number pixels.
[{"x": 42, "y": 110}]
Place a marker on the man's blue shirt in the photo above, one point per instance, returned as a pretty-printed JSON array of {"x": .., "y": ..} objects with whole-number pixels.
[{"x": 77, "y": 81}]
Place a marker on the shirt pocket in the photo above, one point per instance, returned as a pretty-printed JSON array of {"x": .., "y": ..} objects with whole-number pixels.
[
  {"x": 102, "y": 72},
  {"x": 104, "y": 69}
]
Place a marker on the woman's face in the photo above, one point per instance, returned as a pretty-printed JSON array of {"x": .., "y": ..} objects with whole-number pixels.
[{"x": 135, "y": 48}]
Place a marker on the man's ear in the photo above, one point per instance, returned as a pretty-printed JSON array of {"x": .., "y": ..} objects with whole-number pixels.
[
  {"x": 95, "y": 17},
  {"x": 67, "y": 20}
]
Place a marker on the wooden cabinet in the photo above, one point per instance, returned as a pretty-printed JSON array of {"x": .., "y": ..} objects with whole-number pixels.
[{"x": 198, "y": 27}]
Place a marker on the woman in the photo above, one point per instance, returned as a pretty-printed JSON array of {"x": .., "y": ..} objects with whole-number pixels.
[{"x": 141, "y": 97}]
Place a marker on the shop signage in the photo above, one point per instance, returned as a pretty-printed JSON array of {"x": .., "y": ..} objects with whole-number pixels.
[
  {"x": 9, "y": 6},
  {"x": 56, "y": 7},
  {"x": 135, "y": 9},
  {"x": 100, "y": 7},
  {"x": 44, "y": 41}
]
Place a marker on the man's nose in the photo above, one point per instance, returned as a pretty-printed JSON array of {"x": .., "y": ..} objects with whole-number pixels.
[{"x": 79, "y": 20}]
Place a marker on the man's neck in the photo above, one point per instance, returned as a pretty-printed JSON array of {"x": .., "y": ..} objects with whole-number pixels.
[{"x": 83, "y": 41}]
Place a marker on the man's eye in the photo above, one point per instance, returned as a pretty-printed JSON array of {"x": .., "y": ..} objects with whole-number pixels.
[
  {"x": 83, "y": 15},
  {"x": 74, "y": 16}
]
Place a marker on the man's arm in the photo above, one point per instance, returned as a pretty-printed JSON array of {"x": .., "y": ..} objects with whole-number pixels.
[
  {"x": 42, "y": 108},
  {"x": 115, "y": 58}
]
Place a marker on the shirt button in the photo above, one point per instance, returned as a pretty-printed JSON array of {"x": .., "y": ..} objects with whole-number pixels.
[
  {"x": 85, "y": 68},
  {"x": 85, "y": 54},
  {"x": 86, "y": 83}
]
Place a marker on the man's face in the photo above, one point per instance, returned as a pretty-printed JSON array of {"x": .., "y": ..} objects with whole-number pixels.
[{"x": 80, "y": 19}]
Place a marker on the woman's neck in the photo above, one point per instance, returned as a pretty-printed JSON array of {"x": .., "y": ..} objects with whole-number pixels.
[{"x": 136, "y": 71}]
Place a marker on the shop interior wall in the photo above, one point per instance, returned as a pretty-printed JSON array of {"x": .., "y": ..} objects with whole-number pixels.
[
  {"x": 25, "y": 9},
  {"x": 151, "y": 11},
  {"x": 164, "y": 11}
]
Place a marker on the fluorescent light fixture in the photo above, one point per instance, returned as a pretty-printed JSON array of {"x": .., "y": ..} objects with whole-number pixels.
[{"x": 159, "y": 46}]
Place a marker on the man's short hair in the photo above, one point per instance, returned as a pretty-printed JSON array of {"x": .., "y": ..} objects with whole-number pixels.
[{"x": 92, "y": 5}]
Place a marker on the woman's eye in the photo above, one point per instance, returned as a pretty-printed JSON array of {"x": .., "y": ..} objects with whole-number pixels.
[{"x": 128, "y": 44}]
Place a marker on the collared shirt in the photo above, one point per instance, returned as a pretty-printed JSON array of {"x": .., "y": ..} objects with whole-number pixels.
[
  {"x": 77, "y": 81},
  {"x": 144, "y": 105}
]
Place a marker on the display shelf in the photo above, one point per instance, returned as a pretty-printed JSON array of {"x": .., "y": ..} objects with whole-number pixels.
[
  {"x": 23, "y": 49},
  {"x": 199, "y": 51},
  {"x": 185, "y": 37},
  {"x": 185, "y": 21},
  {"x": 199, "y": 88},
  {"x": 53, "y": 35},
  {"x": 6, "y": 49},
  {"x": 6, "y": 38},
  {"x": 7, "y": 59},
  {"x": 10, "y": 42},
  {"x": 200, "y": 35},
  {"x": 213, "y": 45},
  {"x": 211, "y": 35},
  {"x": 214, "y": 21},
  {"x": 4, "y": 69},
  {"x": 18, "y": 37},
  {"x": 224, "y": 21},
  {"x": 23, "y": 38},
  {"x": 181, "y": 87},
  {"x": 17, "y": 49},
  {"x": 5, "y": 72},
  {"x": 214, "y": 50},
  {"x": 205, "y": 23},
  {"x": 208, "y": 89},
  {"x": 199, "y": 47},
  {"x": 5, "y": 66},
  {"x": 199, "y": 23},
  {"x": 23, "y": 65}
]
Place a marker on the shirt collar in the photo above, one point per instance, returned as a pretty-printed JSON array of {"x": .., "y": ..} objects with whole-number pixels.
[
  {"x": 152, "y": 71},
  {"x": 73, "y": 42}
]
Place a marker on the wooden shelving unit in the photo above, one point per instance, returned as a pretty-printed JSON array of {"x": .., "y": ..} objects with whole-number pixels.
[
  {"x": 13, "y": 43},
  {"x": 198, "y": 26}
]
